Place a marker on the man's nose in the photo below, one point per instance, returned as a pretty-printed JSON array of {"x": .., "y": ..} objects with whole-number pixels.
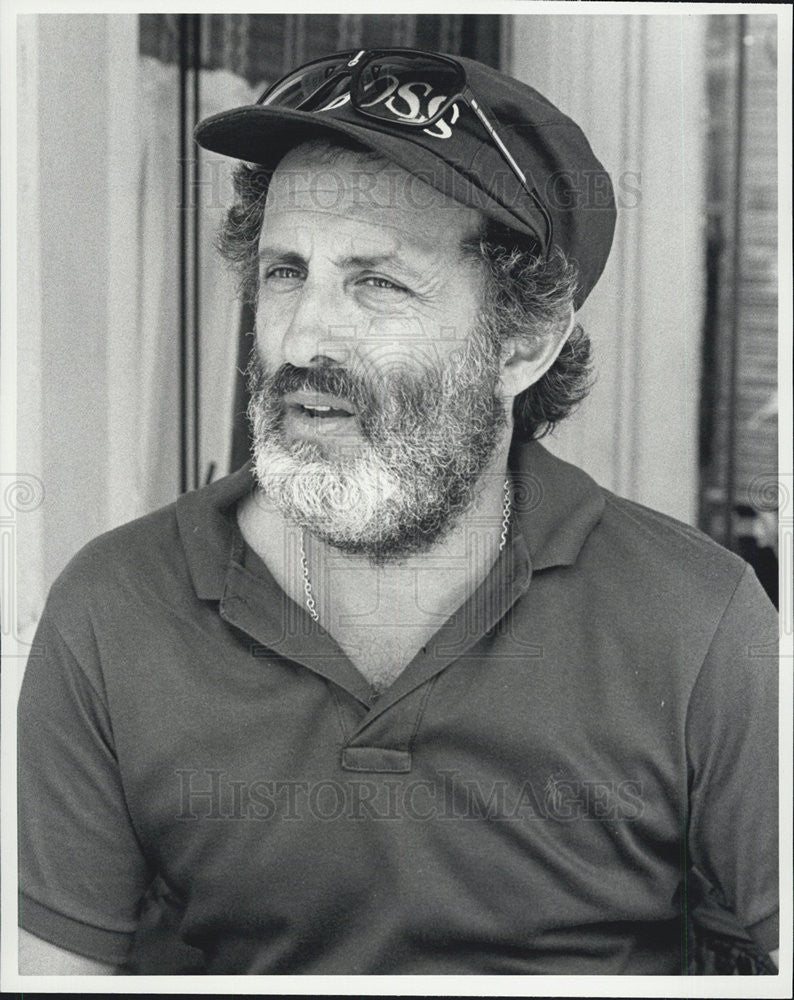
[{"x": 318, "y": 331}]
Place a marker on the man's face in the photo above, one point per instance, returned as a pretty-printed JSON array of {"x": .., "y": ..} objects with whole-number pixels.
[{"x": 375, "y": 402}]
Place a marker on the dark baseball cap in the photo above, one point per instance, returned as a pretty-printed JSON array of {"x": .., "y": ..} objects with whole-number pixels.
[{"x": 458, "y": 157}]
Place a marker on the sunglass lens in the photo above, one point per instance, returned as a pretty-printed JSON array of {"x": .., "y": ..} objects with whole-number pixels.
[
  {"x": 307, "y": 87},
  {"x": 406, "y": 88}
]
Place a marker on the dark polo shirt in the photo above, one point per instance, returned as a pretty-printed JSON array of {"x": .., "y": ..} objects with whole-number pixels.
[{"x": 533, "y": 794}]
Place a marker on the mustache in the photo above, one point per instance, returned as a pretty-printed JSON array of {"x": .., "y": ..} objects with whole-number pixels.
[{"x": 329, "y": 378}]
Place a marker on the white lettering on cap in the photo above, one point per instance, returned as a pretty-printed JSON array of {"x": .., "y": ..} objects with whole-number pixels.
[{"x": 415, "y": 105}]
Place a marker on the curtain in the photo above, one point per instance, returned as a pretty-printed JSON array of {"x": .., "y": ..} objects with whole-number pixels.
[
  {"x": 78, "y": 385},
  {"x": 160, "y": 200},
  {"x": 636, "y": 86},
  {"x": 738, "y": 407},
  {"x": 259, "y": 47}
]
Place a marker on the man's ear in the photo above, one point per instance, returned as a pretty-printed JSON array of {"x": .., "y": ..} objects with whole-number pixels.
[{"x": 524, "y": 363}]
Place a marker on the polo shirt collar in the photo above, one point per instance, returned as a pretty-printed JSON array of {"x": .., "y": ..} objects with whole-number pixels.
[
  {"x": 207, "y": 528},
  {"x": 555, "y": 507}
]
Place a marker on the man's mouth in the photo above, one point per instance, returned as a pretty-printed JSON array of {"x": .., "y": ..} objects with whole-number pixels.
[
  {"x": 319, "y": 405},
  {"x": 322, "y": 411},
  {"x": 315, "y": 415}
]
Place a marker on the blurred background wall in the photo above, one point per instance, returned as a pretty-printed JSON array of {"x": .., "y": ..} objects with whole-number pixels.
[
  {"x": 636, "y": 85},
  {"x": 129, "y": 334}
]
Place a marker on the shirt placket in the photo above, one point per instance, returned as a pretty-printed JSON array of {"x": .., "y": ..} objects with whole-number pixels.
[{"x": 378, "y": 731}]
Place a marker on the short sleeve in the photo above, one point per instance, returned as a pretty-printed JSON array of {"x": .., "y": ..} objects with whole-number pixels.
[
  {"x": 81, "y": 870},
  {"x": 732, "y": 748}
]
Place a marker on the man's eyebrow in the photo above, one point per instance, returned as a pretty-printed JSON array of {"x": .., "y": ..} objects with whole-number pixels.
[
  {"x": 378, "y": 260},
  {"x": 283, "y": 254}
]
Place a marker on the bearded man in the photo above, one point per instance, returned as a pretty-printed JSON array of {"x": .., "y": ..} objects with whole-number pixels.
[{"x": 405, "y": 694}]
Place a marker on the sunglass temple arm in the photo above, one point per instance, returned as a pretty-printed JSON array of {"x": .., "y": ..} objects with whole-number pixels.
[{"x": 516, "y": 169}]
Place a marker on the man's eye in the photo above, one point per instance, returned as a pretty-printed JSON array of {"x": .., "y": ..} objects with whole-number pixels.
[
  {"x": 283, "y": 271},
  {"x": 373, "y": 281}
]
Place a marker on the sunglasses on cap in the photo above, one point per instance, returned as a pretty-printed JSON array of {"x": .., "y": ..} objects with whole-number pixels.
[{"x": 374, "y": 82}]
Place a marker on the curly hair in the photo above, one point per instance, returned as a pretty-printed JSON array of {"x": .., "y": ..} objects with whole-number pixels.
[
  {"x": 526, "y": 294},
  {"x": 530, "y": 296}
]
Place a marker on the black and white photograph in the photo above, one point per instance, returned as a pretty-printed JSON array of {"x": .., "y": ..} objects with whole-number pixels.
[{"x": 396, "y": 499}]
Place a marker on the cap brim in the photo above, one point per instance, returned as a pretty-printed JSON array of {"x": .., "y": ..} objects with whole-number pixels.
[{"x": 264, "y": 135}]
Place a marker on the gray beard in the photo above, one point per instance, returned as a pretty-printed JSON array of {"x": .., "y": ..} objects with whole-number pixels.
[{"x": 427, "y": 439}]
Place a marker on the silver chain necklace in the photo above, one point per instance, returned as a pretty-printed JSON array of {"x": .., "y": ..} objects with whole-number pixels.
[{"x": 307, "y": 583}]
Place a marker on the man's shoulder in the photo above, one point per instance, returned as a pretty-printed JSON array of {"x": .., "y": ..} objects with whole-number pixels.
[
  {"x": 137, "y": 551},
  {"x": 162, "y": 553},
  {"x": 616, "y": 540},
  {"x": 673, "y": 557}
]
